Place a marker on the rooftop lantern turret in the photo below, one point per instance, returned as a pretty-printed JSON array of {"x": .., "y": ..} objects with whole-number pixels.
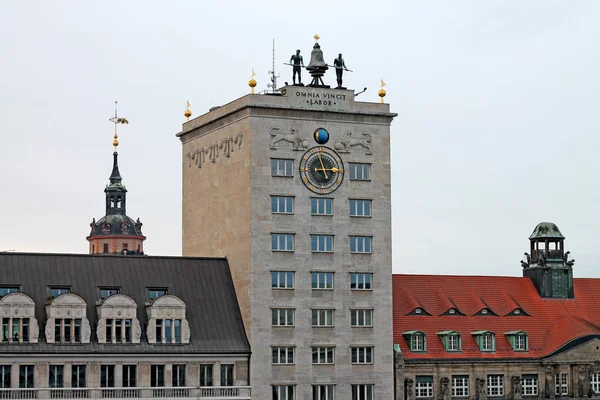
[{"x": 547, "y": 264}]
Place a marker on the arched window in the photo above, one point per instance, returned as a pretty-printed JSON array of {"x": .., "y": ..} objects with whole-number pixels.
[
  {"x": 117, "y": 320},
  {"x": 166, "y": 320},
  {"x": 67, "y": 320},
  {"x": 18, "y": 322}
]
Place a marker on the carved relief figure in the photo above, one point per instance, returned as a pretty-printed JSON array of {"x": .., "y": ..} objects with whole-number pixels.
[
  {"x": 581, "y": 389},
  {"x": 408, "y": 386},
  {"x": 292, "y": 138},
  {"x": 344, "y": 145},
  {"x": 549, "y": 389},
  {"x": 515, "y": 383},
  {"x": 445, "y": 388},
  {"x": 151, "y": 331},
  {"x": 212, "y": 151},
  {"x": 138, "y": 332},
  {"x": 480, "y": 388},
  {"x": 49, "y": 330},
  {"x": 101, "y": 331}
]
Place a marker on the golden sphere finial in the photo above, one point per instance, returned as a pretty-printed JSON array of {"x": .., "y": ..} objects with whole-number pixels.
[
  {"x": 252, "y": 82},
  {"x": 381, "y": 93},
  {"x": 187, "y": 113}
]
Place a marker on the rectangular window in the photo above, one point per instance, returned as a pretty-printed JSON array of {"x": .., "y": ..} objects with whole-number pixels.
[
  {"x": 360, "y": 244},
  {"x": 487, "y": 342},
  {"x": 109, "y": 330},
  {"x": 321, "y": 243},
  {"x": 118, "y": 330},
  {"x": 206, "y": 374},
  {"x": 361, "y": 318},
  {"x": 322, "y": 280},
  {"x": 57, "y": 291},
  {"x": 321, "y": 206},
  {"x": 105, "y": 248},
  {"x": 322, "y": 318},
  {"x": 55, "y": 376},
  {"x": 5, "y": 376},
  {"x": 4, "y": 290},
  {"x": 6, "y": 329},
  {"x": 127, "y": 338},
  {"x": 520, "y": 342},
  {"x": 282, "y": 316},
  {"x": 362, "y": 392},
  {"x": 360, "y": 172},
  {"x": 460, "y": 386},
  {"x": 158, "y": 331},
  {"x": 281, "y": 167},
  {"x": 157, "y": 375},
  {"x": 323, "y": 392},
  {"x": 168, "y": 327},
  {"x": 417, "y": 342},
  {"x": 26, "y": 376},
  {"x": 283, "y": 392},
  {"x": 283, "y": 355},
  {"x": 361, "y": 281},
  {"x": 362, "y": 355},
  {"x": 226, "y": 374},
  {"x": 530, "y": 385},
  {"x": 495, "y": 385},
  {"x": 282, "y": 279},
  {"x": 177, "y": 331},
  {"x": 282, "y": 242},
  {"x": 595, "y": 381},
  {"x": 323, "y": 355},
  {"x": 107, "y": 376},
  {"x": 106, "y": 292},
  {"x": 424, "y": 386},
  {"x": 360, "y": 208},
  {"x": 129, "y": 375},
  {"x": 154, "y": 293},
  {"x": 178, "y": 375},
  {"x": 282, "y": 204},
  {"x": 78, "y": 376},
  {"x": 561, "y": 384},
  {"x": 453, "y": 342}
]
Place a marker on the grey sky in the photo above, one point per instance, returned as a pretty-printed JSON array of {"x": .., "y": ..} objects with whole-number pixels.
[{"x": 497, "y": 100}]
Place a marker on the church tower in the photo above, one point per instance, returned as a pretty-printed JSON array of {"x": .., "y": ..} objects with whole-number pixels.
[
  {"x": 116, "y": 233},
  {"x": 547, "y": 265}
]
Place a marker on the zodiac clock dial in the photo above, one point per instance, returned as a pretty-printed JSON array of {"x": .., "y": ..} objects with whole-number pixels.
[{"x": 321, "y": 170}]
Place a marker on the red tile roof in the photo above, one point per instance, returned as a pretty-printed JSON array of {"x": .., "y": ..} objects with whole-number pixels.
[{"x": 549, "y": 323}]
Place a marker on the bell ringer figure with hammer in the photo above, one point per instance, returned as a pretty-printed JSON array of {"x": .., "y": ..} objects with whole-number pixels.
[
  {"x": 340, "y": 66},
  {"x": 297, "y": 62}
]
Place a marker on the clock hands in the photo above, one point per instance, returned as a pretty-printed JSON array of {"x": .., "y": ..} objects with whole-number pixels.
[
  {"x": 334, "y": 169},
  {"x": 322, "y": 167}
]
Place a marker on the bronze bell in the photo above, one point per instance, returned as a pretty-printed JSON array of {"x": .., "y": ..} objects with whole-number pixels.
[{"x": 317, "y": 66}]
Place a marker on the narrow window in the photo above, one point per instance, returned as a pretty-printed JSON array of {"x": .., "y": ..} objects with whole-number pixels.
[
  {"x": 168, "y": 336},
  {"x": 107, "y": 376},
  {"x": 157, "y": 375},
  {"x": 159, "y": 333},
  {"x": 78, "y": 376},
  {"x": 26, "y": 376},
  {"x": 177, "y": 330},
  {"x": 5, "y": 376},
  {"x": 178, "y": 375},
  {"x": 105, "y": 248},
  {"x": 55, "y": 376},
  {"x": 206, "y": 374},
  {"x": 226, "y": 374},
  {"x": 561, "y": 384},
  {"x": 129, "y": 375}
]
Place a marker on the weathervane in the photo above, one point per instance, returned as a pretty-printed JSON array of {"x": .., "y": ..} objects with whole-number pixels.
[{"x": 117, "y": 120}]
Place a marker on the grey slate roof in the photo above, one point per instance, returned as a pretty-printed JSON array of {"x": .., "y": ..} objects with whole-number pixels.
[{"x": 204, "y": 284}]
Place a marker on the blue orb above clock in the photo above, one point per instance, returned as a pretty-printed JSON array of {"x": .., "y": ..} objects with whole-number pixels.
[{"x": 321, "y": 136}]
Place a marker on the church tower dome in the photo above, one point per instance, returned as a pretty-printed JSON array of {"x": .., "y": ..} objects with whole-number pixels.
[{"x": 116, "y": 233}]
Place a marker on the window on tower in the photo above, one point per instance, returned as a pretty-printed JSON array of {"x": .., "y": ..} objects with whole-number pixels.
[
  {"x": 105, "y": 248},
  {"x": 282, "y": 242},
  {"x": 360, "y": 244},
  {"x": 321, "y": 206},
  {"x": 321, "y": 243},
  {"x": 360, "y": 172},
  {"x": 282, "y": 167}
]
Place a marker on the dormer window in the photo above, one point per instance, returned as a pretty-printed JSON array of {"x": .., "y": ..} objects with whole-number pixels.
[
  {"x": 486, "y": 340},
  {"x": 484, "y": 311},
  {"x": 452, "y": 311},
  {"x": 418, "y": 311},
  {"x": 106, "y": 292},
  {"x": 451, "y": 340},
  {"x": 18, "y": 324},
  {"x": 519, "y": 340},
  {"x": 117, "y": 320},
  {"x": 517, "y": 312},
  {"x": 416, "y": 340},
  {"x": 4, "y": 290},
  {"x": 167, "y": 321},
  {"x": 154, "y": 293},
  {"x": 56, "y": 291},
  {"x": 67, "y": 319}
]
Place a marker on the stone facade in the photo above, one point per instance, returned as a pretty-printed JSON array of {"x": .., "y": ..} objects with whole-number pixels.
[{"x": 227, "y": 189}]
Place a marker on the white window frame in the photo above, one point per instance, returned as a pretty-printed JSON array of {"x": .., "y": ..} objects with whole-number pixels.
[
  {"x": 283, "y": 280},
  {"x": 363, "y": 391},
  {"x": 520, "y": 342},
  {"x": 287, "y": 315},
  {"x": 321, "y": 206},
  {"x": 417, "y": 342},
  {"x": 321, "y": 243},
  {"x": 561, "y": 384},
  {"x": 361, "y": 208},
  {"x": 323, "y": 316},
  {"x": 283, "y": 246},
  {"x": 530, "y": 385},
  {"x": 361, "y": 318},
  {"x": 362, "y": 355},
  {"x": 423, "y": 389},
  {"x": 282, "y": 204},
  {"x": 281, "y": 355},
  {"x": 323, "y": 392},
  {"x": 360, "y": 171},
  {"x": 453, "y": 343},
  {"x": 460, "y": 386},
  {"x": 284, "y": 392},
  {"x": 321, "y": 281},
  {"x": 325, "y": 355},
  {"x": 284, "y": 167},
  {"x": 595, "y": 382},
  {"x": 360, "y": 280},
  {"x": 495, "y": 385},
  {"x": 5, "y": 376},
  {"x": 361, "y": 244},
  {"x": 488, "y": 342}
]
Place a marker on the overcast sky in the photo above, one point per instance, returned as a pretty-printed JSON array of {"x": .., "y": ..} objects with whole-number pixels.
[{"x": 498, "y": 125}]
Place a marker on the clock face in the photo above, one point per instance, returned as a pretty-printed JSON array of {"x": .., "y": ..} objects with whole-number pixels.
[{"x": 321, "y": 170}]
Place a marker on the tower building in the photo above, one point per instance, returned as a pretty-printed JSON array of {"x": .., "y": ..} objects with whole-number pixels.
[
  {"x": 294, "y": 189},
  {"x": 116, "y": 233}
]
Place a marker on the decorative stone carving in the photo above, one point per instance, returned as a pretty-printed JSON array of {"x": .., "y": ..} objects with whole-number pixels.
[
  {"x": 49, "y": 330},
  {"x": 480, "y": 392},
  {"x": 292, "y": 138},
  {"x": 185, "y": 331},
  {"x": 408, "y": 386},
  {"x": 344, "y": 145},
  {"x": 581, "y": 384},
  {"x": 137, "y": 336},
  {"x": 515, "y": 384},
  {"x": 167, "y": 307},
  {"x": 549, "y": 385},
  {"x": 445, "y": 388},
  {"x": 224, "y": 147},
  {"x": 116, "y": 307},
  {"x": 34, "y": 331},
  {"x": 151, "y": 331},
  {"x": 101, "y": 330},
  {"x": 20, "y": 305},
  {"x": 86, "y": 331},
  {"x": 67, "y": 304}
]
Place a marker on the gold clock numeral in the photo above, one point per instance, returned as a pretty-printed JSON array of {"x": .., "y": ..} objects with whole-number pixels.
[
  {"x": 305, "y": 179},
  {"x": 304, "y": 169},
  {"x": 322, "y": 190},
  {"x": 305, "y": 158},
  {"x": 339, "y": 181},
  {"x": 311, "y": 187},
  {"x": 311, "y": 151},
  {"x": 341, "y": 170}
]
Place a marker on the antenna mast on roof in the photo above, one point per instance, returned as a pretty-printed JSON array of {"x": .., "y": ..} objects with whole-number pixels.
[{"x": 273, "y": 84}]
